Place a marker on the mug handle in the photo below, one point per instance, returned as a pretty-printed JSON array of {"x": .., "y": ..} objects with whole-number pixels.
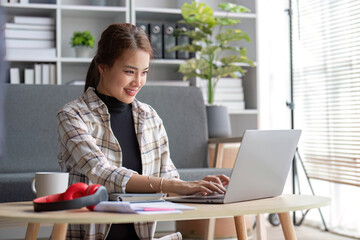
[{"x": 33, "y": 188}]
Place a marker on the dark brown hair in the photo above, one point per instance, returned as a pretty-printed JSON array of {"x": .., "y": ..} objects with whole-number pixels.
[{"x": 115, "y": 40}]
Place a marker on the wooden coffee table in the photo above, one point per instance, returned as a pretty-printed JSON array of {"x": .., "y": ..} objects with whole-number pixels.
[{"x": 283, "y": 205}]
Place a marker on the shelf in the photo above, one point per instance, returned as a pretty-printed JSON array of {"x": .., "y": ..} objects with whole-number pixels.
[
  {"x": 75, "y": 60},
  {"x": 166, "y": 61},
  {"x": 92, "y": 11},
  {"x": 158, "y": 10},
  {"x": 158, "y": 14},
  {"x": 28, "y": 6},
  {"x": 245, "y": 112},
  {"x": 33, "y": 59},
  {"x": 235, "y": 15}
]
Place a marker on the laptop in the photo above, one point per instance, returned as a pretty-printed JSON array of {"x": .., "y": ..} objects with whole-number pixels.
[{"x": 260, "y": 170}]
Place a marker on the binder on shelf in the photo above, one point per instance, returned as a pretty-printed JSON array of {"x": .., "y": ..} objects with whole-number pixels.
[
  {"x": 14, "y": 75},
  {"x": 143, "y": 26},
  {"x": 182, "y": 40},
  {"x": 21, "y": 43},
  {"x": 29, "y": 76},
  {"x": 29, "y": 34},
  {"x": 45, "y": 73},
  {"x": 156, "y": 39},
  {"x": 169, "y": 40},
  {"x": 52, "y": 74},
  {"x": 38, "y": 77},
  {"x": 29, "y": 26},
  {"x": 34, "y": 20}
]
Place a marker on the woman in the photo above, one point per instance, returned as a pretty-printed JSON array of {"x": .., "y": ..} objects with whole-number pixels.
[{"x": 108, "y": 137}]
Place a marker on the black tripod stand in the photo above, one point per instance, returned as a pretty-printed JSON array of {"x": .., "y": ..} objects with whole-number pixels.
[{"x": 273, "y": 218}]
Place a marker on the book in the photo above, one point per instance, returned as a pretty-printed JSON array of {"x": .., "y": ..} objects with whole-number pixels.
[
  {"x": 37, "y": 68},
  {"x": 22, "y": 43},
  {"x": 34, "y": 20},
  {"x": 29, "y": 34},
  {"x": 52, "y": 74},
  {"x": 45, "y": 73},
  {"x": 29, "y": 76},
  {"x": 158, "y": 207},
  {"x": 133, "y": 197},
  {"x": 29, "y": 26},
  {"x": 14, "y": 75},
  {"x": 30, "y": 54}
]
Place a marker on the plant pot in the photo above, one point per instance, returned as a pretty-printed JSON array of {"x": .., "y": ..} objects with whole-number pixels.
[
  {"x": 218, "y": 120},
  {"x": 82, "y": 51}
]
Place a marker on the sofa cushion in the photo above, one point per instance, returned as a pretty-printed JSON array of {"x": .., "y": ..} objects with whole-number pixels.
[
  {"x": 182, "y": 110},
  {"x": 30, "y": 120},
  {"x": 16, "y": 187}
]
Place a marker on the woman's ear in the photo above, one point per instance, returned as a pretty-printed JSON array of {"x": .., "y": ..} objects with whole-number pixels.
[{"x": 102, "y": 68}]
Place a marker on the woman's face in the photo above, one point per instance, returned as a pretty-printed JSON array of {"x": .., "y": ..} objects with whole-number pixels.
[{"x": 126, "y": 77}]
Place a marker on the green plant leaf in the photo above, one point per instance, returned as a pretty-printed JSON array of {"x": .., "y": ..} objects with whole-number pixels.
[
  {"x": 236, "y": 59},
  {"x": 198, "y": 13},
  {"x": 210, "y": 50},
  {"x": 186, "y": 48},
  {"x": 224, "y": 21},
  {"x": 82, "y": 39},
  {"x": 225, "y": 71},
  {"x": 231, "y": 35},
  {"x": 231, "y": 7}
]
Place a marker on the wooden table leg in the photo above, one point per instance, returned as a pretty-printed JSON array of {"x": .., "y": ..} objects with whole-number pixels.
[
  {"x": 210, "y": 229},
  {"x": 59, "y": 231},
  {"x": 287, "y": 226},
  {"x": 32, "y": 231},
  {"x": 260, "y": 227},
  {"x": 240, "y": 226}
]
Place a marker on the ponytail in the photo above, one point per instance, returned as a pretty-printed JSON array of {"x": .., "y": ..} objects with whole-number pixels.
[{"x": 92, "y": 76}]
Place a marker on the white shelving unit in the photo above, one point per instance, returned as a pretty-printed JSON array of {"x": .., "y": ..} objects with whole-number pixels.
[
  {"x": 80, "y": 15},
  {"x": 70, "y": 16}
]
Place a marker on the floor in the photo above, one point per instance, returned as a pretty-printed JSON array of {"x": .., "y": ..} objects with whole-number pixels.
[{"x": 303, "y": 233}]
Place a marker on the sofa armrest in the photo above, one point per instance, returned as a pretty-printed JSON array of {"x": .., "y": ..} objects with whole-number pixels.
[{"x": 219, "y": 148}]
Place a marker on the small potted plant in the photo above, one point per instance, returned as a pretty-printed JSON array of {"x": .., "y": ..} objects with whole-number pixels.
[
  {"x": 82, "y": 42},
  {"x": 217, "y": 51}
]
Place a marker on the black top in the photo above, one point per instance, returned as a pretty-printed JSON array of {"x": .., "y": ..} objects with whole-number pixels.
[{"x": 122, "y": 125}]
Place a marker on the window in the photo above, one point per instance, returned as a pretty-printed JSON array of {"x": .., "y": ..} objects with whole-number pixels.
[{"x": 326, "y": 77}]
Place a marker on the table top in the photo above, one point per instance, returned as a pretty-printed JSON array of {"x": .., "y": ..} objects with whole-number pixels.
[{"x": 24, "y": 212}]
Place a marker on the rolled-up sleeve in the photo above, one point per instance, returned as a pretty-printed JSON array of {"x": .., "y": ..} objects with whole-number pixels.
[{"x": 85, "y": 156}]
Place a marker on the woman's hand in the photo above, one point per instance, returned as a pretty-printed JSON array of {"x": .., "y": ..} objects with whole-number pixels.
[{"x": 205, "y": 186}]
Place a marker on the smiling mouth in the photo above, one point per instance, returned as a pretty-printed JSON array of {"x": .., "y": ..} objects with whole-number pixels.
[{"x": 130, "y": 91}]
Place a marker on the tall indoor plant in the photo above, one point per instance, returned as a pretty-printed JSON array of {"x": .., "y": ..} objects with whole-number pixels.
[{"x": 215, "y": 43}]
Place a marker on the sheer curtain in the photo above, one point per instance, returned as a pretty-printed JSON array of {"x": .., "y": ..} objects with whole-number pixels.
[{"x": 326, "y": 54}]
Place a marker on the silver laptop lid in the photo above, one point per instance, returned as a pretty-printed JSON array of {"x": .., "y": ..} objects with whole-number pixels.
[{"x": 262, "y": 165}]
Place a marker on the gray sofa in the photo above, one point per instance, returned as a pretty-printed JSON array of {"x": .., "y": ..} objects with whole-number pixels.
[{"x": 31, "y": 135}]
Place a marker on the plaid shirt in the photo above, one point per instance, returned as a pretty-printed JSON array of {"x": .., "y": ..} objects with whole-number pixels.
[{"x": 90, "y": 152}]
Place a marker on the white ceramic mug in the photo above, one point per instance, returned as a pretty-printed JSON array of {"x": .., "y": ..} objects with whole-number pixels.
[{"x": 47, "y": 183}]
